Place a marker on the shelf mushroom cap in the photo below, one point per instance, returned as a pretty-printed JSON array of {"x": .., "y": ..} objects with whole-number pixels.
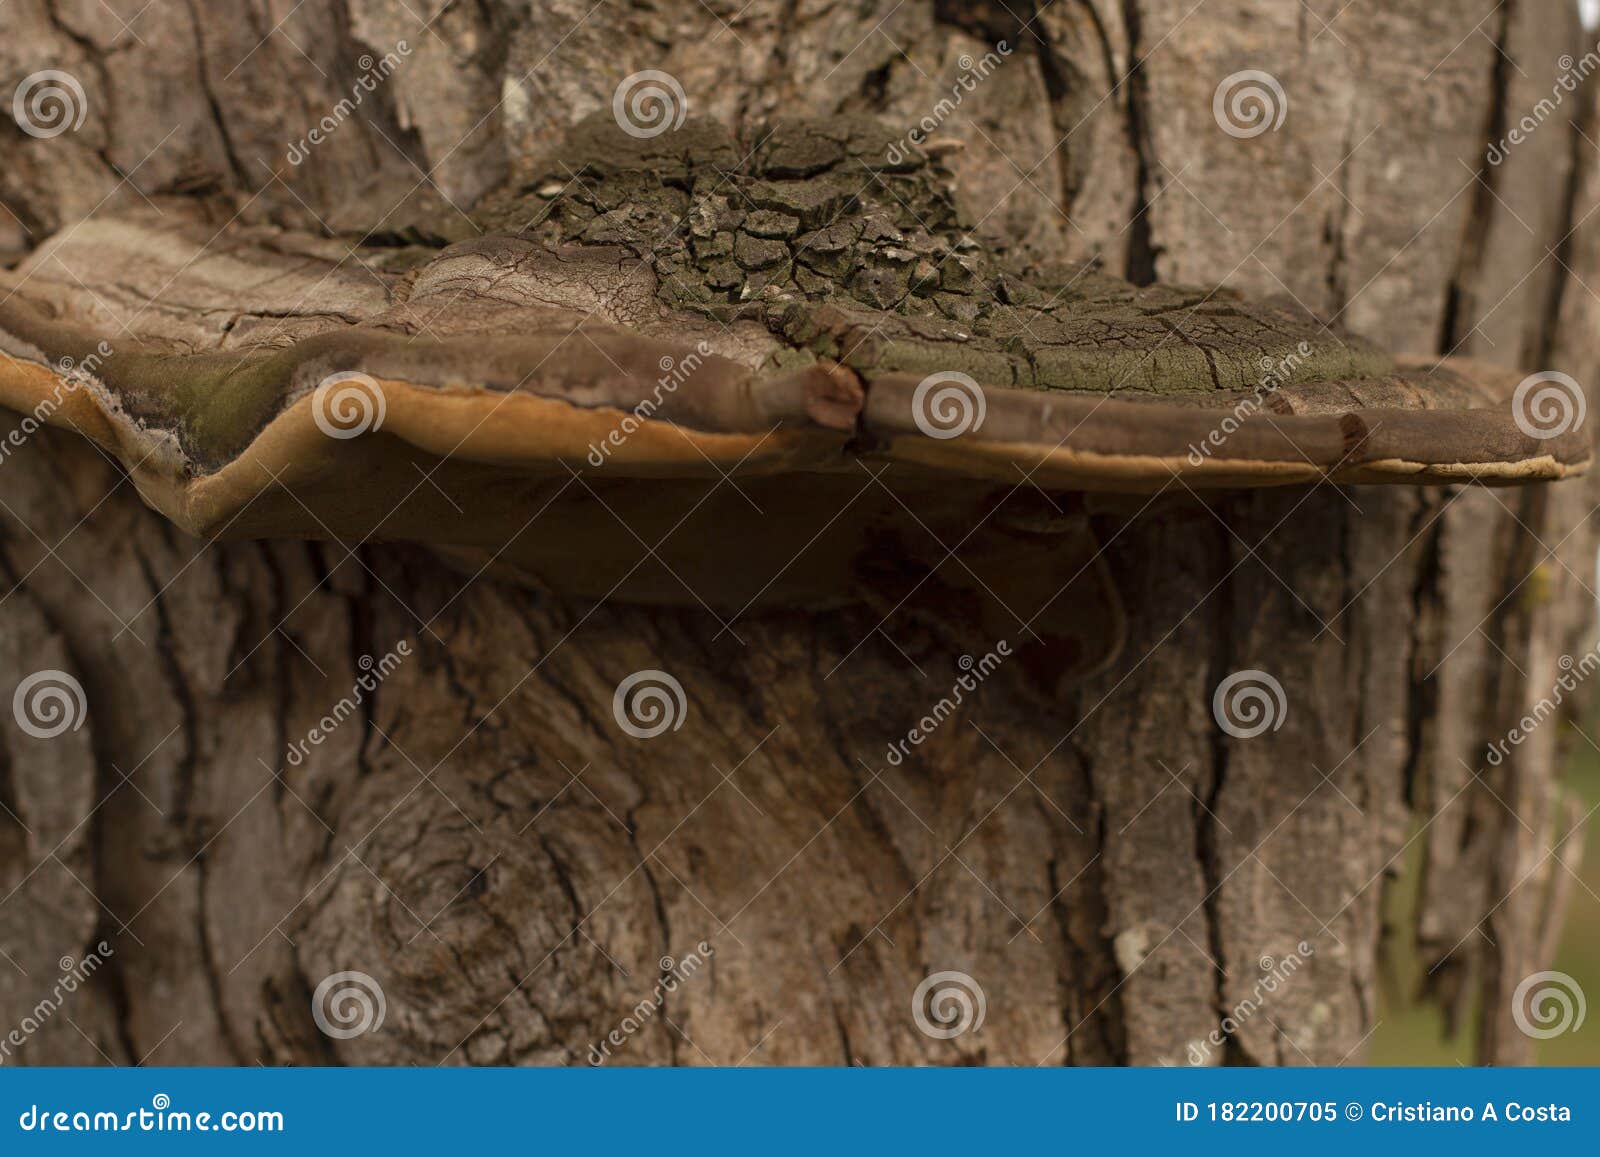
[{"x": 640, "y": 333}]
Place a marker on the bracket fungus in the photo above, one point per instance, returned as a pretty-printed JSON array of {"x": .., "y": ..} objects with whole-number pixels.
[
  {"x": 354, "y": 501},
  {"x": 558, "y": 383}
]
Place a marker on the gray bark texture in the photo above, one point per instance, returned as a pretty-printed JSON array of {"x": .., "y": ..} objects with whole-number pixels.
[{"x": 511, "y": 868}]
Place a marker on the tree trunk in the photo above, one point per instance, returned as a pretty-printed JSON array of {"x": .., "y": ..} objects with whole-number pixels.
[{"x": 486, "y": 842}]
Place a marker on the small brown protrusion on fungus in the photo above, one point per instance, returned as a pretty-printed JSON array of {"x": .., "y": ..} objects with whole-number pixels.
[{"x": 658, "y": 318}]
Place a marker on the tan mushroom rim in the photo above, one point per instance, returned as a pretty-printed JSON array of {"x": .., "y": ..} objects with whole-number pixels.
[{"x": 534, "y": 434}]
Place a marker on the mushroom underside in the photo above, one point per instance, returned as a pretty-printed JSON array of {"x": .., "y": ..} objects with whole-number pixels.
[{"x": 547, "y": 410}]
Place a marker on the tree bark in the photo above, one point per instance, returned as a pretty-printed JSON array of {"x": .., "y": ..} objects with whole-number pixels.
[{"x": 486, "y": 843}]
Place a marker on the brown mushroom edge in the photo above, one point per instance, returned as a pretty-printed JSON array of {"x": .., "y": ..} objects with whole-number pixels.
[
  {"x": 824, "y": 418},
  {"x": 815, "y": 469}
]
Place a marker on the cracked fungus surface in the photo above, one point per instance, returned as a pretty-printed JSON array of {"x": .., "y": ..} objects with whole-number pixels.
[{"x": 811, "y": 228}]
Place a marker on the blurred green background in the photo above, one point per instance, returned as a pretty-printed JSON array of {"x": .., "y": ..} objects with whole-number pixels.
[{"x": 1412, "y": 1033}]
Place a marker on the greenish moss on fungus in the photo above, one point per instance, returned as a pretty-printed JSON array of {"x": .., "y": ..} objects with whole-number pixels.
[{"x": 810, "y": 228}]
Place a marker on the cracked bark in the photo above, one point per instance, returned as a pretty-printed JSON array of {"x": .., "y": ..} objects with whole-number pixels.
[{"x": 1109, "y": 914}]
